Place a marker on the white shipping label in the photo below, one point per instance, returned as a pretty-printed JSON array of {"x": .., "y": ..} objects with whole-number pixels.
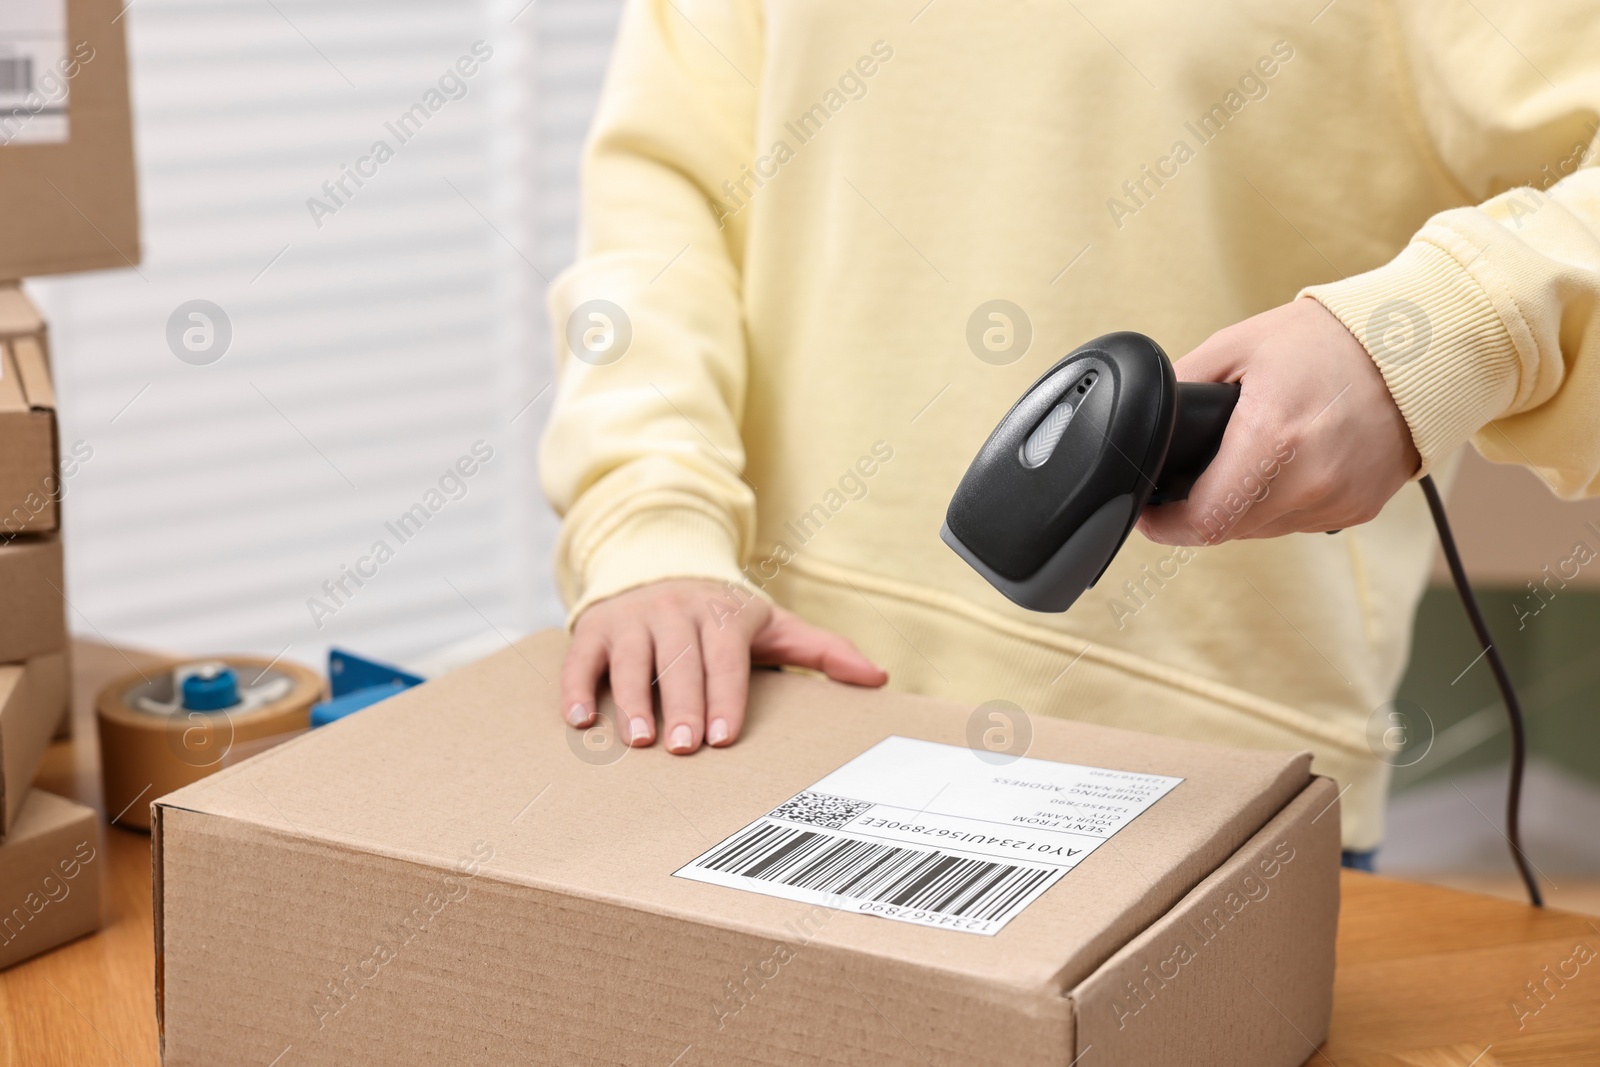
[
  {"x": 931, "y": 834},
  {"x": 33, "y": 72}
]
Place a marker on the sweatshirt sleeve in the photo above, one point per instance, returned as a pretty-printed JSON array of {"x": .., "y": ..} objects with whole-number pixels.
[
  {"x": 1486, "y": 326},
  {"x": 642, "y": 456}
]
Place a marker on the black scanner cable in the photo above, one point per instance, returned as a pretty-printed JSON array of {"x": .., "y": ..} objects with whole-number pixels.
[{"x": 1519, "y": 742}]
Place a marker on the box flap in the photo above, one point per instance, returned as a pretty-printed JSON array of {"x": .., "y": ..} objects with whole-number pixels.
[
  {"x": 158, "y": 913},
  {"x": 49, "y": 876},
  {"x": 17, "y": 313},
  {"x": 33, "y": 373},
  {"x": 1241, "y": 969},
  {"x": 13, "y": 400},
  {"x": 482, "y": 754},
  {"x": 32, "y": 696},
  {"x": 29, "y": 458},
  {"x": 13, "y": 746}
]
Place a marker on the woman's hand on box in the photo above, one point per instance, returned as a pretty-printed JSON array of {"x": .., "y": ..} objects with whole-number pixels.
[{"x": 695, "y": 641}]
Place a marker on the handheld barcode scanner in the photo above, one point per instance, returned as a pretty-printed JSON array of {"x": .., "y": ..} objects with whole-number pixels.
[{"x": 1057, "y": 487}]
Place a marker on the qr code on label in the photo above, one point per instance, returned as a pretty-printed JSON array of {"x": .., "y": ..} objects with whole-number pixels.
[{"x": 820, "y": 809}]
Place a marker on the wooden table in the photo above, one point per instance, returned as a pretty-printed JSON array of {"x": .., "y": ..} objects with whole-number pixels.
[{"x": 1426, "y": 977}]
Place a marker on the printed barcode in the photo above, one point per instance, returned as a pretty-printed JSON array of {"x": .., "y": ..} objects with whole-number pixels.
[
  {"x": 865, "y": 870},
  {"x": 16, "y": 74}
]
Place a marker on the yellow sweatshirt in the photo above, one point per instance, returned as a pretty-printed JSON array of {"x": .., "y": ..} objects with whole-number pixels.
[{"x": 826, "y": 244}]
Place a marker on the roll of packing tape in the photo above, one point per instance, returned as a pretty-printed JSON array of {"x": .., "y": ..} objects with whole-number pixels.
[{"x": 178, "y": 722}]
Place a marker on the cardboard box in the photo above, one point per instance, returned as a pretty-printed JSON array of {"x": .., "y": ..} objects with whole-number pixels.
[
  {"x": 18, "y": 316},
  {"x": 66, "y": 143},
  {"x": 457, "y": 874},
  {"x": 33, "y": 611},
  {"x": 33, "y": 700},
  {"x": 49, "y": 877},
  {"x": 30, "y": 485}
]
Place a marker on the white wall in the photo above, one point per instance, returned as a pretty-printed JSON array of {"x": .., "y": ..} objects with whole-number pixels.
[{"x": 368, "y": 354}]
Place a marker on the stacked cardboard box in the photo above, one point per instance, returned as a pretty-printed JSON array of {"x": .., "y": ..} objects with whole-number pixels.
[
  {"x": 33, "y": 630},
  {"x": 48, "y": 842},
  {"x": 67, "y": 197},
  {"x": 40, "y": 832},
  {"x": 50, "y": 877}
]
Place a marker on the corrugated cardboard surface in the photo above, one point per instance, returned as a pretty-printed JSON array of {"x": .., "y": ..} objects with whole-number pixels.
[
  {"x": 33, "y": 614},
  {"x": 49, "y": 877},
  {"x": 33, "y": 698},
  {"x": 1258, "y": 934},
  {"x": 260, "y": 926},
  {"x": 29, "y": 485},
  {"x": 71, "y": 206},
  {"x": 17, "y": 313},
  {"x": 312, "y": 896}
]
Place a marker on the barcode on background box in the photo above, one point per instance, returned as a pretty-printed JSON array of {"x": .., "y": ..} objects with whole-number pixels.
[
  {"x": 931, "y": 834},
  {"x": 33, "y": 72},
  {"x": 16, "y": 74}
]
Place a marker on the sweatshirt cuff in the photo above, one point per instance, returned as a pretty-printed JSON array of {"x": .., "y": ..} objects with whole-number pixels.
[
  {"x": 653, "y": 545},
  {"x": 1436, "y": 337}
]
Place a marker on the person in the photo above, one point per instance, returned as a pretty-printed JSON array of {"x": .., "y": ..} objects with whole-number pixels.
[{"x": 826, "y": 245}]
